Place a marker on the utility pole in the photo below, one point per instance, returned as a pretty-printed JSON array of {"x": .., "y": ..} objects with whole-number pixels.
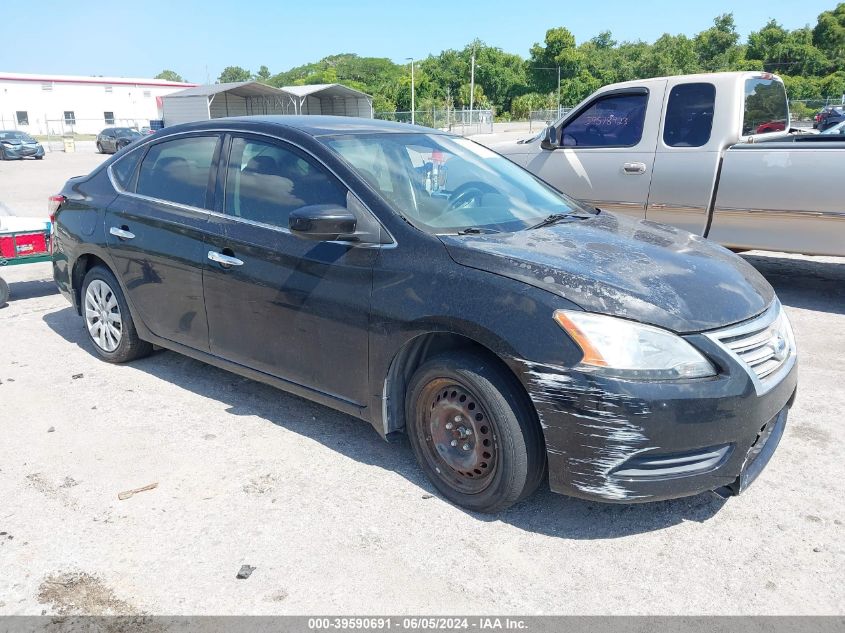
[
  {"x": 558, "y": 90},
  {"x": 413, "y": 107},
  {"x": 472, "y": 86}
]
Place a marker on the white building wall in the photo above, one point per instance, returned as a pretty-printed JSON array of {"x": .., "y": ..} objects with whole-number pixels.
[{"x": 45, "y": 99}]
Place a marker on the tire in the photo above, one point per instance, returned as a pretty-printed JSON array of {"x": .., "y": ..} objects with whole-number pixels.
[
  {"x": 103, "y": 300},
  {"x": 474, "y": 432},
  {"x": 4, "y": 292},
  {"x": 3, "y": 155},
  {"x": 39, "y": 158},
  {"x": 100, "y": 148}
]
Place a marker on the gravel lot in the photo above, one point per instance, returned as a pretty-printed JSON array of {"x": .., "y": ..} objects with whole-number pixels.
[{"x": 335, "y": 520}]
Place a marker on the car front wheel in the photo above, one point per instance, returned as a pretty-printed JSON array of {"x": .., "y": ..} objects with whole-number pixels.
[
  {"x": 107, "y": 319},
  {"x": 474, "y": 432}
]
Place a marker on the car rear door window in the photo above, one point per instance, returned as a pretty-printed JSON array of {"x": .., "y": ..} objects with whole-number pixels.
[
  {"x": 178, "y": 170},
  {"x": 689, "y": 115},
  {"x": 265, "y": 181},
  {"x": 613, "y": 121},
  {"x": 124, "y": 169}
]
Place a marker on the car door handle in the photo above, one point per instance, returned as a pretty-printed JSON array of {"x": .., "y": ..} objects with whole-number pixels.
[
  {"x": 634, "y": 168},
  {"x": 122, "y": 233},
  {"x": 224, "y": 260}
]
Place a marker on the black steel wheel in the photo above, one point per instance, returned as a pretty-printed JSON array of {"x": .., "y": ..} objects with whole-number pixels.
[
  {"x": 4, "y": 292},
  {"x": 474, "y": 432}
]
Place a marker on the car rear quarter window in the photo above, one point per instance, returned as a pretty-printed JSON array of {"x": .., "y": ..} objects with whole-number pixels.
[
  {"x": 689, "y": 115},
  {"x": 178, "y": 170},
  {"x": 124, "y": 169},
  {"x": 766, "y": 107},
  {"x": 612, "y": 121},
  {"x": 265, "y": 181}
]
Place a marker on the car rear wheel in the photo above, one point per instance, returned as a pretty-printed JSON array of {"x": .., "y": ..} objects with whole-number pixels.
[
  {"x": 4, "y": 292},
  {"x": 474, "y": 432},
  {"x": 107, "y": 319}
]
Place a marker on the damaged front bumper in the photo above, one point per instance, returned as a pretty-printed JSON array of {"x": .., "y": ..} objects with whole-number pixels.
[{"x": 623, "y": 441}]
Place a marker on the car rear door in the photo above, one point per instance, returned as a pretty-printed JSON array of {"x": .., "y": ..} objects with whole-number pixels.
[
  {"x": 156, "y": 229},
  {"x": 289, "y": 307},
  {"x": 606, "y": 152}
]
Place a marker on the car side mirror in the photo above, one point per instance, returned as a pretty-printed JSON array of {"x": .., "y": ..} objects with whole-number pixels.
[
  {"x": 549, "y": 138},
  {"x": 322, "y": 222}
]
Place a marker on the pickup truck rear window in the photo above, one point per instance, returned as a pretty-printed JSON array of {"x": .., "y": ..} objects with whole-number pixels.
[
  {"x": 689, "y": 115},
  {"x": 766, "y": 107}
]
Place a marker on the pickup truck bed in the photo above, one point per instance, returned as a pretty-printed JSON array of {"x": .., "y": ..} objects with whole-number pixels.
[{"x": 788, "y": 194}]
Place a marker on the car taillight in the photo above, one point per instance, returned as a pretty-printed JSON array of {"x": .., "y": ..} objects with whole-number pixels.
[{"x": 53, "y": 204}]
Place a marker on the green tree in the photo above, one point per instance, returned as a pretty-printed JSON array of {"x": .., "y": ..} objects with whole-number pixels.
[
  {"x": 717, "y": 47},
  {"x": 557, "y": 50},
  {"x": 829, "y": 36},
  {"x": 263, "y": 75},
  {"x": 233, "y": 74},
  {"x": 170, "y": 75}
]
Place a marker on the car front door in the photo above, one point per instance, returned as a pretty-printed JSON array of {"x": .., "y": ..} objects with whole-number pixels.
[
  {"x": 156, "y": 229},
  {"x": 289, "y": 307},
  {"x": 606, "y": 151}
]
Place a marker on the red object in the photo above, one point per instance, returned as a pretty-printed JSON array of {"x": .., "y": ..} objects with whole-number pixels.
[{"x": 23, "y": 245}]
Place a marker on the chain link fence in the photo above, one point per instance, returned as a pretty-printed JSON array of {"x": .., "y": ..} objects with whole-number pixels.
[
  {"x": 82, "y": 130},
  {"x": 538, "y": 119},
  {"x": 463, "y": 122},
  {"x": 803, "y": 111}
]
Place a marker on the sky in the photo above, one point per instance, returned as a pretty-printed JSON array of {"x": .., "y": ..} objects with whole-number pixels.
[{"x": 199, "y": 39}]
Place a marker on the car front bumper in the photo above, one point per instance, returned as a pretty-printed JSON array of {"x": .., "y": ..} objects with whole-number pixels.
[
  {"x": 621, "y": 441},
  {"x": 23, "y": 151}
]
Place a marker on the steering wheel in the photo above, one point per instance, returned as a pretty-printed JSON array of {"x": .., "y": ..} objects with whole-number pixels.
[
  {"x": 466, "y": 193},
  {"x": 593, "y": 130}
]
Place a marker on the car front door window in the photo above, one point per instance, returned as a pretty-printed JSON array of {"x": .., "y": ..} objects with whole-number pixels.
[
  {"x": 265, "y": 182},
  {"x": 614, "y": 121}
]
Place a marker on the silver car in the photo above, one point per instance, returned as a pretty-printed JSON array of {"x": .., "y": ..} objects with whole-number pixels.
[{"x": 15, "y": 144}]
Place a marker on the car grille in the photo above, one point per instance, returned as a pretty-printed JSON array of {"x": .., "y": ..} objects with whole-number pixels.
[{"x": 765, "y": 346}]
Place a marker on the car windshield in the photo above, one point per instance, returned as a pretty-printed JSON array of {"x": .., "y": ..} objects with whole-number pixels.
[
  {"x": 125, "y": 131},
  {"x": 445, "y": 184},
  {"x": 14, "y": 135}
]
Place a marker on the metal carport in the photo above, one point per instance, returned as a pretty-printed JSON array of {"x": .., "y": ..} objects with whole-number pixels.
[
  {"x": 229, "y": 99},
  {"x": 335, "y": 99},
  {"x": 252, "y": 97}
]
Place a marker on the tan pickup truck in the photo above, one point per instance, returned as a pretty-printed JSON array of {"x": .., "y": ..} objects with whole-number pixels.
[{"x": 712, "y": 153}]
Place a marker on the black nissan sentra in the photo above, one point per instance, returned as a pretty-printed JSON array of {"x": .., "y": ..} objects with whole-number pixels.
[{"x": 425, "y": 284}]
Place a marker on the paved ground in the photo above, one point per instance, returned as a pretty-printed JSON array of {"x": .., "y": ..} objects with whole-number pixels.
[
  {"x": 26, "y": 184},
  {"x": 335, "y": 520}
]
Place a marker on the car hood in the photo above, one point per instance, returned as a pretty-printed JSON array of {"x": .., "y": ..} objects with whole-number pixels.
[{"x": 619, "y": 266}]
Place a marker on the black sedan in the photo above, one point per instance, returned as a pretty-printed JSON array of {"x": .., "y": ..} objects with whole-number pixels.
[
  {"x": 15, "y": 145},
  {"x": 425, "y": 284},
  {"x": 112, "y": 139}
]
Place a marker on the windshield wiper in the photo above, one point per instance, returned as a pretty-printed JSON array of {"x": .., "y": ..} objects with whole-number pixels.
[
  {"x": 554, "y": 218},
  {"x": 474, "y": 230}
]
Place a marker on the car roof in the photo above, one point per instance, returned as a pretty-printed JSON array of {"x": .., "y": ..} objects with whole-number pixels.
[{"x": 318, "y": 125}]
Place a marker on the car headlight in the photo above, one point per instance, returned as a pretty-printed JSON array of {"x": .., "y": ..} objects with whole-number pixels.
[{"x": 625, "y": 349}]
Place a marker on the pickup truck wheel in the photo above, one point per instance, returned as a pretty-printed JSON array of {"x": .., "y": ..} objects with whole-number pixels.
[
  {"x": 107, "y": 319},
  {"x": 4, "y": 292},
  {"x": 473, "y": 432}
]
